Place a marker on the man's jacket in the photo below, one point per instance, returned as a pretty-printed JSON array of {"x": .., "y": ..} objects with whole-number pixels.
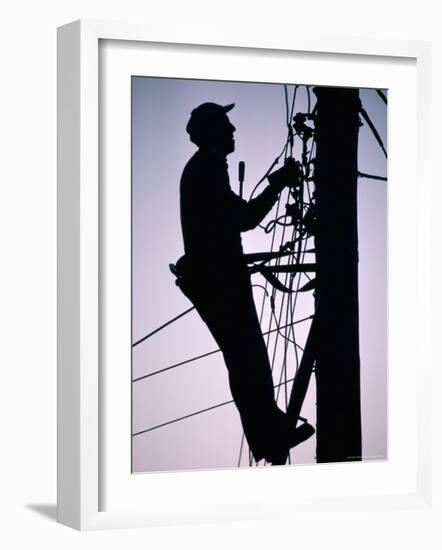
[{"x": 213, "y": 217}]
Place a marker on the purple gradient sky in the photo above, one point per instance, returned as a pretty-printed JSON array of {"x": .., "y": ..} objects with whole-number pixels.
[{"x": 160, "y": 149}]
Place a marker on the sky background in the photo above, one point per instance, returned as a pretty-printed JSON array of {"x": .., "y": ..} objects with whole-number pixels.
[{"x": 160, "y": 149}]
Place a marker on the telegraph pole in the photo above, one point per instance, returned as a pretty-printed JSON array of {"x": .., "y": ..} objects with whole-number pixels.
[{"x": 337, "y": 366}]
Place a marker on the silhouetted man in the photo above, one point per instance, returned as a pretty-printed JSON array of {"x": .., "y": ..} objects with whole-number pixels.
[{"x": 213, "y": 274}]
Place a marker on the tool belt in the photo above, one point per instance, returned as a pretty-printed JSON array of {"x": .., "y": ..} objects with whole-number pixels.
[
  {"x": 196, "y": 278},
  {"x": 188, "y": 278},
  {"x": 182, "y": 270}
]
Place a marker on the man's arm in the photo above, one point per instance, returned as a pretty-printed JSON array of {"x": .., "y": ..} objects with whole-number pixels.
[{"x": 251, "y": 213}]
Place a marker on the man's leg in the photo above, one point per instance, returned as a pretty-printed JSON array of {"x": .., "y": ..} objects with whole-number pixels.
[{"x": 232, "y": 319}]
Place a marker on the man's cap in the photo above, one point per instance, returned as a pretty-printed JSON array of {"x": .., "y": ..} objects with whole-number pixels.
[{"x": 203, "y": 116}]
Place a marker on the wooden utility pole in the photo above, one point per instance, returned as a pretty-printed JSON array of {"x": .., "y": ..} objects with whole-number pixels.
[{"x": 337, "y": 365}]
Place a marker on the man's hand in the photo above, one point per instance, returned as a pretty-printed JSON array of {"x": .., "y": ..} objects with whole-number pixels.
[{"x": 287, "y": 176}]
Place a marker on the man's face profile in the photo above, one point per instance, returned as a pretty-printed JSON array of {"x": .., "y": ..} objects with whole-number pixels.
[
  {"x": 209, "y": 126},
  {"x": 219, "y": 134},
  {"x": 225, "y": 135}
]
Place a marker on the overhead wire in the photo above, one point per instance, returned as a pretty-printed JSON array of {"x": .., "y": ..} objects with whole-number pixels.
[
  {"x": 184, "y": 417},
  {"x": 374, "y": 130},
  {"x": 163, "y": 326},
  {"x": 202, "y": 356},
  {"x": 382, "y": 96},
  {"x": 371, "y": 176}
]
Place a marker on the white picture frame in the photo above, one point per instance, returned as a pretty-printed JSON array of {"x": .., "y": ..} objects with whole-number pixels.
[{"x": 81, "y": 437}]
